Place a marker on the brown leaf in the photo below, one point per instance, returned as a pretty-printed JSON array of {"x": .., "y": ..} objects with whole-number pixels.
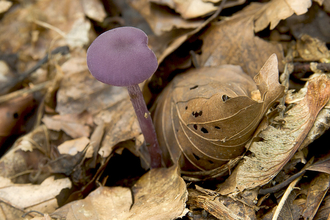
[
  {"x": 209, "y": 114},
  {"x": 221, "y": 207},
  {"x": 150, "y": 201},
  {"x": 75, "y": 125},
  {"x": 232, "y": 41},
  {"x": 12, "y": 115},
  {"x": 279, "y": 145},
  {"x": 312, "y": 49},
  {"x": 318, "y": 188},
  {"x": 161, "y": 19},
  {"x": 25, "y": 155},
  {"x": 324, "y": 210},
  {"x": 94, "y": 9},
  {"x": 35, "y": 197},
  {"x": 275, "y": 11}
]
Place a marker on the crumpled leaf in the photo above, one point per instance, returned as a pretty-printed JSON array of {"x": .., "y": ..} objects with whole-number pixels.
[
  {"x": 160, "y": 19},
  {"x": 276, "y": 10},
  {"x": 232, "y": 41},
  {"x": 278, "y": 145},
  {"x": 150, "y": 200},
  {"x": 209, "y": 114},
  {"x": 34, "y": 197}
]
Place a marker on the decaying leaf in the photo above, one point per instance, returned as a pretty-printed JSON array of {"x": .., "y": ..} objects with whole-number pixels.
[
  {"x": 18, "y": 163},
  {"x": 220, "y": 206},
  {"x": 75, "y": 125},
  {"x": 160, "y": 19},
  {"x": 34, "y": 197},
  {"x": 275, "y": 11},
  {"x": 312, "y": 49},
  {"x": 278, "y": 145},
  {"x": 13, "y": 115},
  {"x": 159, "y": 194},
  {"x": 232, "y": 41},
  {"x": 209, "y": 114},
  {"x": 317, "y": 191}
]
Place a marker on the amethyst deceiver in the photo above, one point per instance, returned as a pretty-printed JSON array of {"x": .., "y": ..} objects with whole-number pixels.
[{"x": 121, "y": 57}]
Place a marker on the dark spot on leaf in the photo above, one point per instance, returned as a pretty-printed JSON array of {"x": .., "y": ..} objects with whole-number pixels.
[
  {"x": 195, "y": 126},
  {"x": 196, "y": 114},
  {"x": 197, "y": 157},
  {"x": 217, "y": 127},
  {"x": 210, "y": 161},
  {"x": 225, "y": 98},
  {"x": 194, "y": 87},
  {"x": 204, "y": 130},
  {"x": 186, "y": 107}
]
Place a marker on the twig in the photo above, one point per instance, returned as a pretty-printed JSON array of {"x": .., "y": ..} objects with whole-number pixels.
[
  {"x": 308, "y": 67},
  {"x": 21, "y": 92}
]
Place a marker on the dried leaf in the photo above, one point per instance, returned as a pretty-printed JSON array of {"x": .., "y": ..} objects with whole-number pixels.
[
  {"x": 190, "y": 8},
  {"x": 150, "y": 201},
  {"x": 221, "y": 207},
  {"x": 275, "y": 11},
  {"x": 24, "y": 156},
  {"x": 35, "y": 197},
  {"x": 94, "y": 9},
  {"x": 74, "y": 146},
  {"x": 5, "y": 5},
  {"x": 75, "y": 125},
  {"x": 232, "y": 41},
  {"x": 312, "y": 49},
  {"x": 278, "y": 145},
  {"x": 318, "y": 188},
  {"x": 209, "y": 114},
  {"x": 160, "y": 19},
  {"x": 13, "y": 115}
]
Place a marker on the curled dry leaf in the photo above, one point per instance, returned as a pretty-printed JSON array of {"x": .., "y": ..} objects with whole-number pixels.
[
  {"x": 209, "y": 114},
  {"x": 278, "y": 145},
  {"x": 150, "y": 200}
]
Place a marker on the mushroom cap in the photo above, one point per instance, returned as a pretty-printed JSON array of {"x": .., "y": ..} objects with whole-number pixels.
[{"x": 121, "y": 57}]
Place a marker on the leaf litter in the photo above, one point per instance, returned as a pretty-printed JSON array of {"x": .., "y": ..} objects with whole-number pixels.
[{"x": 63, "y": 127}]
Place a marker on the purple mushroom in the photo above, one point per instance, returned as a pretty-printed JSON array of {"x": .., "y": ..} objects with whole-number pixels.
[{"x": 121, "y": 57}]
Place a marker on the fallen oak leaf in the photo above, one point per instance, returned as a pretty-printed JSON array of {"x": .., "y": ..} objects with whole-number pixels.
[{"x": 277, "y": 146}]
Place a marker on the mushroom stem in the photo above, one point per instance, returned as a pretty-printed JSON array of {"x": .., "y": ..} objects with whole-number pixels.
[{"x": 146, "y": 125}]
